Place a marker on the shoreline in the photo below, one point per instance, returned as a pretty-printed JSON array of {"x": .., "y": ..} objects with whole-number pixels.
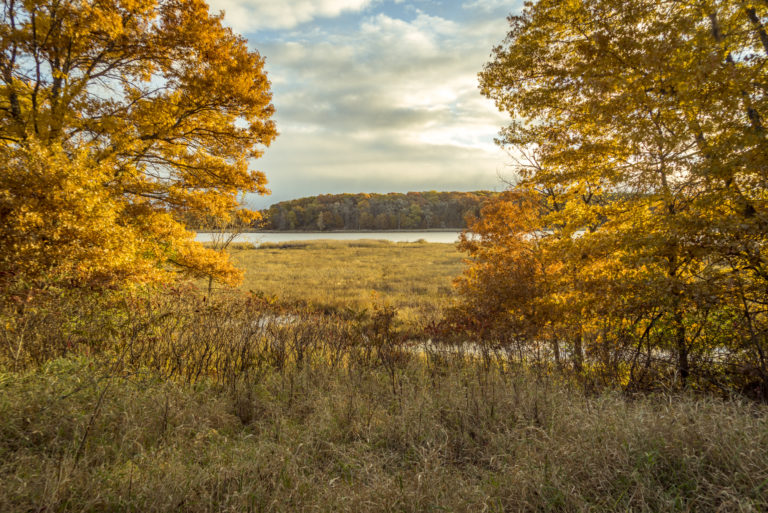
[{"x": 430, "y": 230}]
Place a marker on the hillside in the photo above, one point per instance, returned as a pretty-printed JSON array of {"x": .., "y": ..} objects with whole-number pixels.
[{"x": 393, "y": 211}]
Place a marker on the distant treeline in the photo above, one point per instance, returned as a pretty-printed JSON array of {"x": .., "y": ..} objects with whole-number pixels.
[{"x": 393, "y": 211}]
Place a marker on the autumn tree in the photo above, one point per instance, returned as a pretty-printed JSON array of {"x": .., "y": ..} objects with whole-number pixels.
[
  {"x": 117, "y": 119},
  {"x": 391, "y": 211},
  {"x": 640, "y": 124},
  {"x": 506, "y": 280}
]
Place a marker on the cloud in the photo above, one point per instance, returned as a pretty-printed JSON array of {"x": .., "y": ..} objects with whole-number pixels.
[
  {"x": 331, "y": 165},
  {"x": 407, "y": 78},
  {"x": 384, "y": 100},
  {"x": 486, "y": 5},
  {"x": 249, "y": 15}
]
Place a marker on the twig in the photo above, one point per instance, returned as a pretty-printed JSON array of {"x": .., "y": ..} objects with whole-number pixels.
[{"x": 79, "y": 452}]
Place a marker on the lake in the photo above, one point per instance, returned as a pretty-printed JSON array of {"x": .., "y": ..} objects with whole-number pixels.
[{"x": 447, "y": 237}]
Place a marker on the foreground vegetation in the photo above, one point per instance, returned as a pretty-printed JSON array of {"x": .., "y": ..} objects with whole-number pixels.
[{"x": 184, "y": 404}]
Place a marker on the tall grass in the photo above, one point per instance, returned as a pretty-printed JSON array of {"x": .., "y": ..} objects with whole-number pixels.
[
  {"x": 454, "y": 437},
  {"x": 169, "y": 402},
  {"x": 416, "y": 278}
]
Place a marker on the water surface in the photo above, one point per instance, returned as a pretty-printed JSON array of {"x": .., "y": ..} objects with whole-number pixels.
[{"x": 257, "y": 238}]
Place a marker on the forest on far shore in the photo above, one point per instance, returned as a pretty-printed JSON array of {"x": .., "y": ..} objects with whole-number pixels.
[{"x": 393, "y": 211}]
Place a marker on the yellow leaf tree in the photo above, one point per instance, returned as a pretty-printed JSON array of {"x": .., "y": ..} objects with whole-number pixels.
[
  {"x": 118, "y": 118},
  {"x": 641, "y": 126}
]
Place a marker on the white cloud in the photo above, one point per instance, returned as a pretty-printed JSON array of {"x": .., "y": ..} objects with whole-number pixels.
[
  {"x": 403, "y": 78},
  {"x": 384, "y": 102},
  {"x": 248, "y": 15},
  {"x": 486, "y": 5}
]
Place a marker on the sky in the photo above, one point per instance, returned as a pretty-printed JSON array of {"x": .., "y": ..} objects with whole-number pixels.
[{"x": 377, "y": 95}]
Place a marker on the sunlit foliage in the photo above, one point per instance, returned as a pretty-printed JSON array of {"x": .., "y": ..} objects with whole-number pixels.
[
  {"x": 638, "y": 127},
  {"x": 393, "y": 211},
  {"x": 117, "y": 118}
]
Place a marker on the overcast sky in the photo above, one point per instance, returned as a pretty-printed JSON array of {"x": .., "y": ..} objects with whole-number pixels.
[{"x": 376, "y": 95}]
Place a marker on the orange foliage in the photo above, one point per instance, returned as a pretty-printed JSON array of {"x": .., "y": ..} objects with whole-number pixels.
[
  {"x": 117, "y": 119},
  {"x": 639, "y": 135}
]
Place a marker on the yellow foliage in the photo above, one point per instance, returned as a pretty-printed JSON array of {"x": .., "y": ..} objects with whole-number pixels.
[
  {"x": 639, "y": 129},
  {"x": 117, "y": 119}
]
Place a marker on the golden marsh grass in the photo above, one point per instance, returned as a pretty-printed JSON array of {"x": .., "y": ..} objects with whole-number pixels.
[{"x": 412, "y": 277}]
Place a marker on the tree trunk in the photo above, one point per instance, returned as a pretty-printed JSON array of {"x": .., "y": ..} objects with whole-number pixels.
[
  {"x": 681, "y": 347},
  {"x": 578, "y": 352}
]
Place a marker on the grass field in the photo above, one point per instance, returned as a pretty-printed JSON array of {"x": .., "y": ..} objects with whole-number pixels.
[
  {"x": 413, "y": 277},
  {"x": 453, "y": 437}
]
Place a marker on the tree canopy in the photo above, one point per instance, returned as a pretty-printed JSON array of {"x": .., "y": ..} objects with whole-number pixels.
[
  {"x": 117, "y": 119},
  {"x": 393, "y": 211},
  {"x": 638, "y": 129}
]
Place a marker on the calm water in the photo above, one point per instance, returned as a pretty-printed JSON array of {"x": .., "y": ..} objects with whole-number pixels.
[{"x": 258, "y": 238}]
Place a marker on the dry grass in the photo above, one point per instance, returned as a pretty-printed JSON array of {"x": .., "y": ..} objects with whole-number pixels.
[
  {"x": 173, "y": 402},
  {"x": 454, "y": 437},
  {"x": 413, "y": 277}
]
